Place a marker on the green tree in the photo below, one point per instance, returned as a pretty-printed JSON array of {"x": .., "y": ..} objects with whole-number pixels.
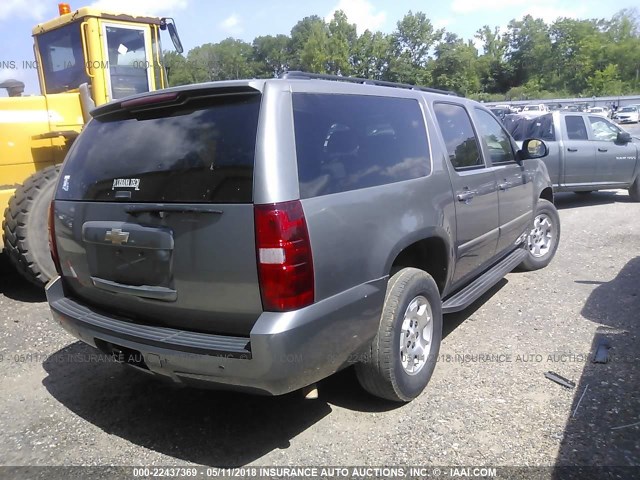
[
  {"x": 177, "y": 68},
  {"x": 227, "y": 60},
  {"x": 531, "y": 59},
  {"x": 494, "y": 72},
  {"x": 272, "y": 55},
  {"x": 314, "y": 55},
  {"x": 411, "y": 42},
  {"x": 455, "y": 65},
  {"x": 605, "y": 82},
  {"x": 371, "y": 55},
  {"x": 578, "y": 48},
  {"x": 623, "y": 49},
  {"x": 529, "y": 48},
  {"x": 310, "y": 29},
  {"x": 341, "y": 44}
]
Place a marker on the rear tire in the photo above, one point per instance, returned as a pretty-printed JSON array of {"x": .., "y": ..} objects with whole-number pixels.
[
  {"x": 403, "y": 354},
  {"x": 634, "y": 190},
  {"x": 543, "y": 238},
  {"x": 25, "y": 227}
]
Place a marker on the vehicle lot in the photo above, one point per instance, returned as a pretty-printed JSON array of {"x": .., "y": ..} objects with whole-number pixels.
[{"x": 487, "y": 404}]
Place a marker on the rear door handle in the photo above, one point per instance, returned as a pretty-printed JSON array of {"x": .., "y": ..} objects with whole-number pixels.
[
  {"x": 572, "y": 149},
  {"x": 465, "y": 196},
  {"x": 603, "y": 150}
]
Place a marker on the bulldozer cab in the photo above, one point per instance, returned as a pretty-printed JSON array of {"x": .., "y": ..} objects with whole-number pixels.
[
  {"x": 84, "y": 59},
  {"x": 115, "y": 55}
]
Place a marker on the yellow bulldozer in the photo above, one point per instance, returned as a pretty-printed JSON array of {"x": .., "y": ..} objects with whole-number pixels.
[{"x": 84, "y": 59}]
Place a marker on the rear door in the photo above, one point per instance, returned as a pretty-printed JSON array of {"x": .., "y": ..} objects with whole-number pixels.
[
  {"x": 475, "y": 190},
  {"x": 155, "y": 216},
  {"x": 579, "y": 153}
]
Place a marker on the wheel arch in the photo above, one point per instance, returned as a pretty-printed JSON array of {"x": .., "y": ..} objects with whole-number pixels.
[
  {"x": 547, "y": 194},
  {"x": 431, "y": 252}
]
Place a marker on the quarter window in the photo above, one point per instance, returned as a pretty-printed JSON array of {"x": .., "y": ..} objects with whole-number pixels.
[
  {"x": 459, "y": 137},
  {"x": 348, "y": 142}
]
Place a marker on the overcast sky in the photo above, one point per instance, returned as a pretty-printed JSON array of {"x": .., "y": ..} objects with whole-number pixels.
[{"x": 203, "y": 21}]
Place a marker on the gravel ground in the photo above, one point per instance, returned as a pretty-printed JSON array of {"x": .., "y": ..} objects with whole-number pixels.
[{"x": 487, "y": 404}]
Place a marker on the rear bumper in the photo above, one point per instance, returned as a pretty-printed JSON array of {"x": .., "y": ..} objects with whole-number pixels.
[{"x": 284, "y": 352}]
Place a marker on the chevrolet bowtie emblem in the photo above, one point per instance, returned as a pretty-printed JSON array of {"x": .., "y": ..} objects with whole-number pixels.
[{"x": 117, "y": 236}]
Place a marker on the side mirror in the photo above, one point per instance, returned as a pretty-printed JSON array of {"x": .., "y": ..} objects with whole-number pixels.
[
  {"x": 532, "y": 148},
  {"x": 170, "y": 24},
  {"x": 623, "y": 137}
]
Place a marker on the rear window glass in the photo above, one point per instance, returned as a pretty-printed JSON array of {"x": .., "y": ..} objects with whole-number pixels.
[
  {"x": 576, "y": 129},
  {"x": 347, "y": 142},
  {"x": 197, "y": 153}
]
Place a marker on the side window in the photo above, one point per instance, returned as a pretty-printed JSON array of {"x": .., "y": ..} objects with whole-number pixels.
[
  {"x": 348, "y": 142},
  {"x": 458, "y": 134},
  {"x": 62, "y": 58},
  {"x": 494, "y": 136},
  {"x": 603, "y": 130},
  {"x": 576, "y": 129}
]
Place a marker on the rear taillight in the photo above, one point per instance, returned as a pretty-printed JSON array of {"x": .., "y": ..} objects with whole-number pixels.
[
  {"x": 285, "y": 264},
  {"x": 53, "y": 246}
]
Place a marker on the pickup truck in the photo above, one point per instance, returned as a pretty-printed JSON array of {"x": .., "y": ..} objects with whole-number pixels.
[{"x": 586, "y": 152}]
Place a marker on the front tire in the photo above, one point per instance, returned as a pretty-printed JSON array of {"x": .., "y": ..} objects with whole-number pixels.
[
  {"x": 25, "y": 227},
  {"x": 543, "y": 238},
  {"x": 403, "y": 354}
]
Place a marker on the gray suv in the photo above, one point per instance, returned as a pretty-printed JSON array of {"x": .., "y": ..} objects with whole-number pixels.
[{"x": 263, "y": 234}]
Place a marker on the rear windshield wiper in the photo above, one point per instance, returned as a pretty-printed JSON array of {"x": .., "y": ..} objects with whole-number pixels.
[{"x": 162, "y": 209}]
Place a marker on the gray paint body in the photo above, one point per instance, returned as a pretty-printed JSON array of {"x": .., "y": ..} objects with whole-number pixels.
[{"x": 355, "y": 237}]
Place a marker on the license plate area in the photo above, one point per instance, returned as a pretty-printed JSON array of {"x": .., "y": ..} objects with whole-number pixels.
[{"x": 129, "y": 254}]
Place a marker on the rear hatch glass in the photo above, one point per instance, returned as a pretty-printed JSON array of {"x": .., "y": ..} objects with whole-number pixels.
[
  {"x": 201, "y": 152},
  {"x": 154, "y": 214}
]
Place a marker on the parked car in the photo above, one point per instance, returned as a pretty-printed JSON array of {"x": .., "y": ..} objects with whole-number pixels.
[
  {"x": 600, "y": 111},
  {"x": 586, "y": 152},
  {"x": 628, "y": 114},
  {"x": 501, "y": 112},
  {"x": 536, "y": 109},
  {"x": 263, "y": 234},
  {"x": 572, "y": 108}
]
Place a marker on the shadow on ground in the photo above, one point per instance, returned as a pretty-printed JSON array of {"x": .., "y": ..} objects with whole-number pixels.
[
  {"x": 602, "y": 431},
  {"x": 13, "y": 286},
  {"x": 213, "y": 428},
  {"x": 567, "y": 200},
  {"x": 203, "y": 426}
]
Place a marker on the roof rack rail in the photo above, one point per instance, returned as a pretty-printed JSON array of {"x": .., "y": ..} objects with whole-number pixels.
[{"x": 296, "y": 74}]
